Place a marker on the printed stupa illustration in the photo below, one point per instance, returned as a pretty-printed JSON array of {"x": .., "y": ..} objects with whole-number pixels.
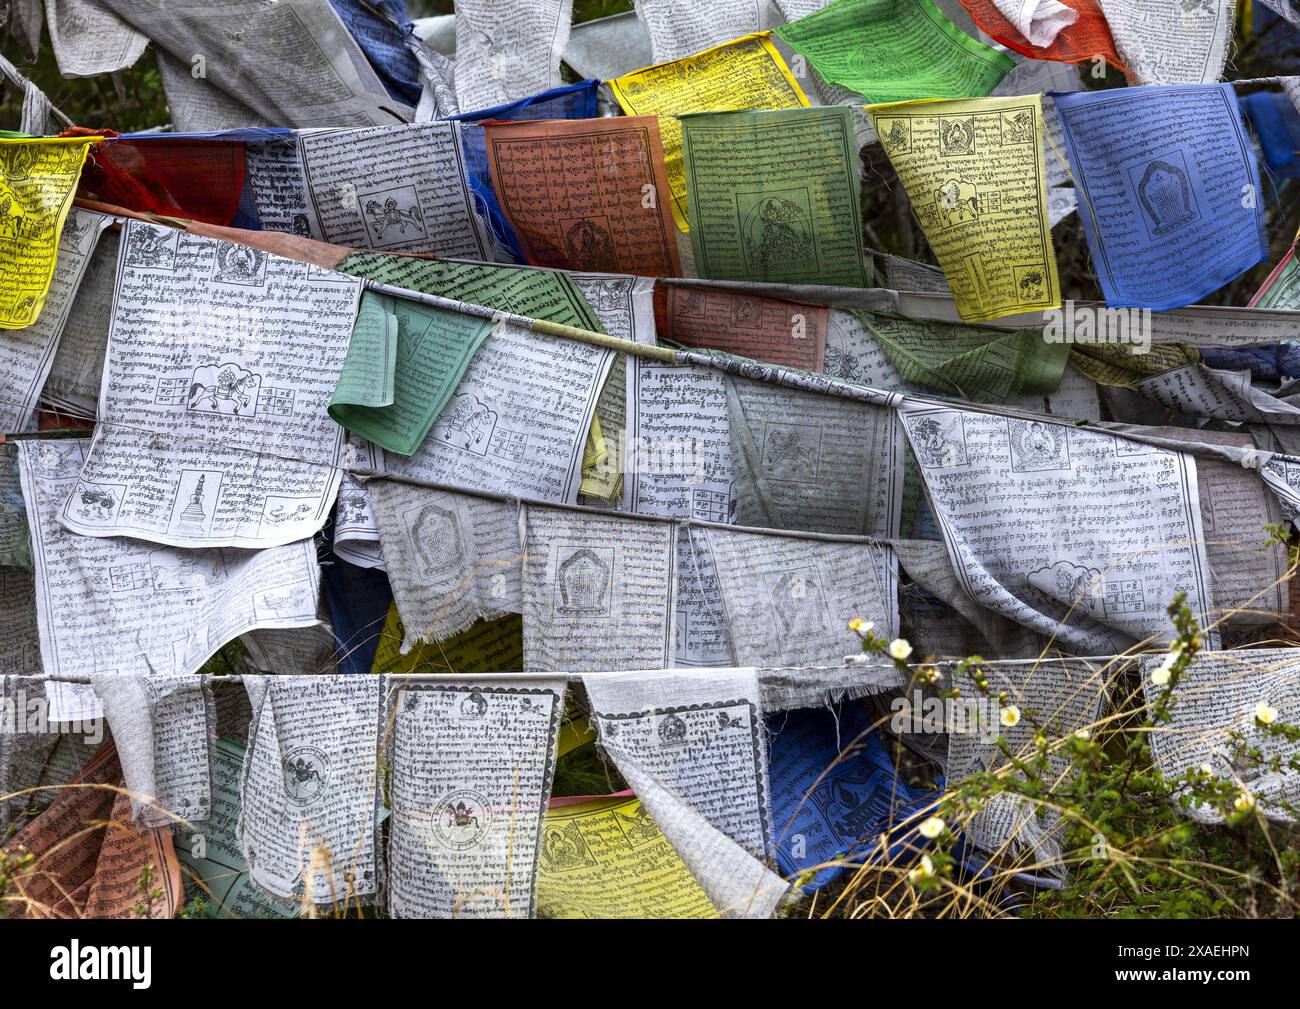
[{"x": 193, "y": 515}]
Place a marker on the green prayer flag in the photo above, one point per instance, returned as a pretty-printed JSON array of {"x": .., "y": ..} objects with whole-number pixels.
[
  {"x": 370, "y": 368},
  {"x": 403, "y": 365},
  {"x": 895, "y": 50},
  {"x": 212, "y": 862},
  {"x": 980, "y": 363},
  {"x": 774, "y": 196},
  {"x": 523, "y": 290},
  {"x": 527, "y": 291},
  {"x": 430, "y": 348}
]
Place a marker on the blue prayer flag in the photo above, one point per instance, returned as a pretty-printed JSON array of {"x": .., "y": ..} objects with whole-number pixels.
[{"x": 1169, "y": 192}]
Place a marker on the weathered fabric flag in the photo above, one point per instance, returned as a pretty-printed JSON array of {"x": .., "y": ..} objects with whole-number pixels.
[
  {"x": 975, "y": 175},
  {"x": 1174, "y": 211}
]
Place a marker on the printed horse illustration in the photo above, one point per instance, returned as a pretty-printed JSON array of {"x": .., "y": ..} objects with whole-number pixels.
[
  {"x": 228, "y": 389},
  {"x": 467, "y": 423},
  {"x": 1073, "y": 585},
  {"x": 958, "y": 202},
  {"x": 390, "y": 213},
  {"x": 74, "y": 233}
]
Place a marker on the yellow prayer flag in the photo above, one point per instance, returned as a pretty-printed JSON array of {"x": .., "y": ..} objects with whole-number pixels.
[
  {"x": 487, "y": 646},
  {"x": 576, "y": 729},
  {"x": 973, "y": 169},
  {"x": 595, "y": 451},
  {"x": 746, "y": 73},
  {"x": 38, "y": 179},
  {"x": 1118, "y": 365},
  {"x": 605, "y": 858},
  {"x": 602, "y": 466}
]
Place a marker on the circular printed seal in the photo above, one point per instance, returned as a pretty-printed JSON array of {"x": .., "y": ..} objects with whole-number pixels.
[
  {"x": 462, "y": 819},
  {"x": 306, "y": 773}
]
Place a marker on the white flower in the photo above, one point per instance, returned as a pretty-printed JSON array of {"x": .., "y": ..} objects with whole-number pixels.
[
  {"x": 1161, "y": 676},
  {"x": 1207, "y": 770},
  {"x": 926, "y": 868},
  {"x": 1243, "y": 802},
  {"x": 860, "y": 625},
  {"x": 1265, "y": 713},
  {"x": 1010, "y": 716},
  {"x": 900, "y": 649},
  {"x": 931, "y": 827},
  {"x": 1081, "y": 734}
]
